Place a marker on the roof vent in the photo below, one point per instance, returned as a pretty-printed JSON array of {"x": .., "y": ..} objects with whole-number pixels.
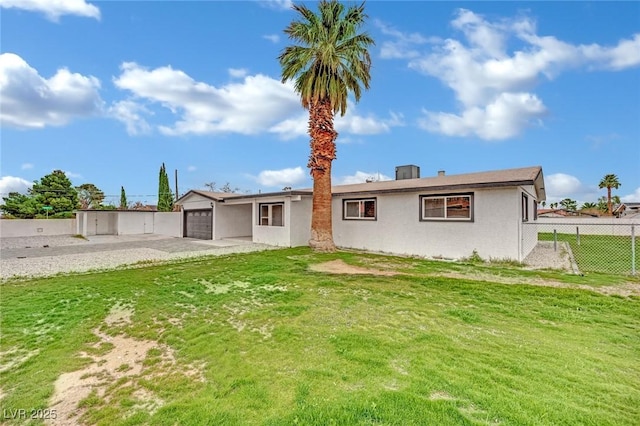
[
  {"x": 407, "y": 172},
  {"x": 440, "y": 172}
]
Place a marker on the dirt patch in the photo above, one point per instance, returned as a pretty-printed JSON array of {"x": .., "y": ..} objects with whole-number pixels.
[
  {"x": 122, "y": 363},
  {"x": 338, "y": 266},
  {"x": 625, "y": 290}
]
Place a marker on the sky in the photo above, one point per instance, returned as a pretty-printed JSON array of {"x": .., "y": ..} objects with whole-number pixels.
[{"x": 107, "y": 91}]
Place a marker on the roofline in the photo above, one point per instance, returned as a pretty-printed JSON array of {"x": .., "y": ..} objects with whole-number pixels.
[{"x": 440, "y": 187}]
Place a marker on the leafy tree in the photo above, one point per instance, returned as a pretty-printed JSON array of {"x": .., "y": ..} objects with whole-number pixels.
[
  {"x": 55, "y": 190},
  {"x": 90, "y": 196},
  {"x": 544, "y": 203},
  {"x": 609, "y": 181},
  {"x": 21, "y": 206},
  {"x": 569, "y": 204},
  {"x": 123, "y": 199},
  {"x": 165, "y": 196},
  {"x": 330, "y": 62}
]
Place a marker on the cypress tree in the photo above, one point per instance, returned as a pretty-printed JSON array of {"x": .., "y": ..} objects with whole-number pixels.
[
  {"x": 123, "y": 199},
  {"x": 165, "y": 196}
]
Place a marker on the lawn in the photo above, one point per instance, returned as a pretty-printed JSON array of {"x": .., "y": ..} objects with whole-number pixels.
[
  {"x": 271, "y": 338},
  {"x": 600, "y": 253}
]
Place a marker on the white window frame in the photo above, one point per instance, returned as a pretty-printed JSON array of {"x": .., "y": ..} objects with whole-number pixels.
[
  {"x": 269, "y": 217},
  {"x": 361, "y": 208},
  {"x": 445, "y": 197}
]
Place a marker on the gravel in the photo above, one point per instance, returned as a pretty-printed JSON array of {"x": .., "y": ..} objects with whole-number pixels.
[
  {"x": 543, "y": 256},
  {"x": 108, "y": 259}
]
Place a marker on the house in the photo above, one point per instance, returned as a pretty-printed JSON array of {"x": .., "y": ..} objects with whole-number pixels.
[{"x": 448, "y": 216}]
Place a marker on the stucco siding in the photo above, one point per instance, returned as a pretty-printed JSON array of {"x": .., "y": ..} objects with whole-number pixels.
[
  {"x": 233, "y": 221},
  {"x": 398, "y": 229},
  {"x": 300, "y": 221},
  {"x": 134, "y": 223},
  {"x": 167, "y": 223},
  {"x": 273, "y": 235},
  {"x": 35, "y": 227}
]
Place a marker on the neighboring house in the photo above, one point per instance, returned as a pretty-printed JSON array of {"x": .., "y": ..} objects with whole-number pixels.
[
  {"x": 629, "y": 209},
  {"x": 448, "y": 216}
]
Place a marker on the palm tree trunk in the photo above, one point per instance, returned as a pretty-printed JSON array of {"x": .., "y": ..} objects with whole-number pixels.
[
  {"x": 609, "y": 207},
  {"x": 323, "y": 152}
]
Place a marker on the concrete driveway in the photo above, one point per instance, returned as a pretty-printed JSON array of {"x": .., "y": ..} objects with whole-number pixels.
[{"x": 41, "y": 256}]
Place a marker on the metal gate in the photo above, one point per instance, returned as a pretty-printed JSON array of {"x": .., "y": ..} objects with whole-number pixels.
[{"x": 198, "y": 224}]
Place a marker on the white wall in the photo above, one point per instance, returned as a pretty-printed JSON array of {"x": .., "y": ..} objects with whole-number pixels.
[
  {"x": 529, "y": 231},
  {"x": 273, "y": 235},
  {"x": 494, "y": 233},
  {"x": 233, "y": 220},
  {"x": 34, "y": 227},
  {"x": 167, "y": 223},
  {"x": 300, "y": 221},
  {"x": 589, "y": 226},
  {"x": 135, "y": 222}
]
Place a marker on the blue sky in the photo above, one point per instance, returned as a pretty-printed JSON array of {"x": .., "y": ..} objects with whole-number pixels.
[{"x": 108, "y": 91}]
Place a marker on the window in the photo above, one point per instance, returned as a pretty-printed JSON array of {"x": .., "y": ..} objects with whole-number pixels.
[
  {"x": 364, "y": 209},
  {"x": 446, "y": 207},
  {"x": 525, "y": 208},
  {"x": 271, "y": 214}
]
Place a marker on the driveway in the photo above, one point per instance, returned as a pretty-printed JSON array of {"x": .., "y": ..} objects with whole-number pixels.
[{"x": 42, "y": 256}]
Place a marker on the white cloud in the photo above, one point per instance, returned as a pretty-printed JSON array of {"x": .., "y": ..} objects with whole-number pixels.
[
  {"x": 238, "y": 72},
  {"x": 631, "y": 198},
  {"x": 246, "y": 107},
  {"x": 26, "y": 166},
  {"x": 361, "y": 177},
  {"x": 281, "y": 178},
  {"x": 273, "y": 38},
  {"x": 494, "y": 83},
  {"x": 192, "y": 168},
  {"x": 403, "y": 44},
  {"x": 253, "y": 105},
  {"x": 371, "y": 125},
  {"x": 13, "y": 184},
  {"x": 53, "y": 9},
  {"x": 130, "y": 113},
  {"x": 72, "y": 175},
  {"x": 559, "y": 186},
  {"x": 502, "y": 119},
  {"x": 31, "y": 101},
  {"x": 277, "y": 4}
]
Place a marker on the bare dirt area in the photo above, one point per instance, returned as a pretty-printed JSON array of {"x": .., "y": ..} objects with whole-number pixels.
[
  {"x": 119, "y": 365},
  {"x": 339, "y": 266}
]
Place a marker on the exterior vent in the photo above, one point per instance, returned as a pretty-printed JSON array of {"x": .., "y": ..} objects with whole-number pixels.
[{"x": 407, "y": 172}]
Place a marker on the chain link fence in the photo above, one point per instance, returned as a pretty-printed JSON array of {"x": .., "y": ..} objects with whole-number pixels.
[{"x": 585, "y": 246}]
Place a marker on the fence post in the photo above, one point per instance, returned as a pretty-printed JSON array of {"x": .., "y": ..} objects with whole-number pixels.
[
  {"x": 633, "y": 249},
  {"x": 555, "y": 240},
  {"x": 578, "y": 234}
]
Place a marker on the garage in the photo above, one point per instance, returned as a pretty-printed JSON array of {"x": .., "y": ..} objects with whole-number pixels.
[{"x": 198, "y": 224}]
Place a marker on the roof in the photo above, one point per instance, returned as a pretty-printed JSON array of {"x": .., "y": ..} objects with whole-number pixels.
[
  {"x": 215, "y": 196},
  {"x": 490, "y": 179}
]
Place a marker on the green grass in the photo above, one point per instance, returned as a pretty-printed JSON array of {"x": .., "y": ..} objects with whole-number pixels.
[
  {"x": 258, "y": 339},
  {"x": 600, "y": 253}
]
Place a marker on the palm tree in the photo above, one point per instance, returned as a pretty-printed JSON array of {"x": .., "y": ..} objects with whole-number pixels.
[
  {"x": 589, "y": 205},
  {"x": 330, "y": 62},
  {"x": 609, "y": 181}
]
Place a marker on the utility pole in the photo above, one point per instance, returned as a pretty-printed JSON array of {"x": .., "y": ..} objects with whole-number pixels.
[{"x": 176, "y": 184}]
